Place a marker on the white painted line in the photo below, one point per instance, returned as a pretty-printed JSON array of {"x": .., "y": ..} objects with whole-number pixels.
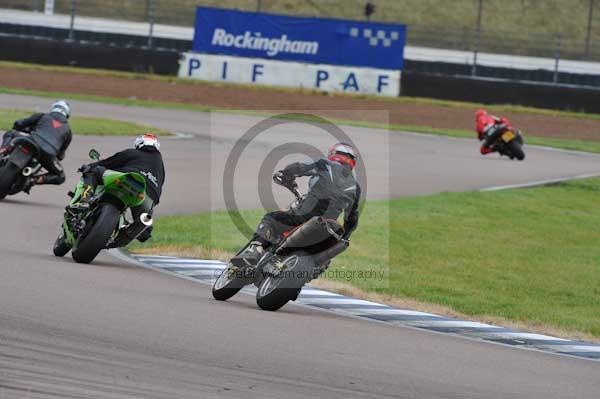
[
  {"x": 455, "y": 323},
  {"x": 541, "y": 182},
  {"x": 341, "y": 301},
  {"x": 199, "y": 272},
  {"x": 522, "y": 335},
  {"x": 388, "y": 311},
  {"x": 186, "y": 266},
  {"x": 574, "y": 348},
  {"x": 316, "y": 292},
  {"x": 187, "y": 261}
]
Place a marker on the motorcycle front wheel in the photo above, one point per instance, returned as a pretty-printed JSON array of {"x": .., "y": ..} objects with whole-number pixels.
[{"x": 61, "y": 247}]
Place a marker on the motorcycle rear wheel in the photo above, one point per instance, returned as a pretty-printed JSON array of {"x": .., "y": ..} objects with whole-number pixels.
[
  {"x": 89, "y": 246},
  {"x": 274, "y": 292},
  {"x": 7, "y": 177},
  {"x": 515, "y": 150}
]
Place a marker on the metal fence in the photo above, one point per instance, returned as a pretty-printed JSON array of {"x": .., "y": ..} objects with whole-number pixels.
[{"x": 473, "y": 26}]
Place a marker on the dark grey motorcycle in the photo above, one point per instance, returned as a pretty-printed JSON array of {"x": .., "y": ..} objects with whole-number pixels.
[{"x": 303, "y": 255}]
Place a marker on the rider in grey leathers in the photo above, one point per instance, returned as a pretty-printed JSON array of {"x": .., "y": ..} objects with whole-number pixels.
[{"x": 333, "y": 189}]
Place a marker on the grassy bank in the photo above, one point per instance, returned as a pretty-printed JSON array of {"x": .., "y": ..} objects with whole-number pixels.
[
  {"x": 528, "y": 256},
  {"x": 86, "y": 126}
]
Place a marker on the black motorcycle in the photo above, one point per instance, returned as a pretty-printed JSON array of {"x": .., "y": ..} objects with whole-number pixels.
[
  {"x": 510, "y": 144},
  {"x": 303, "y": 255},
  {"x": 19, "y": 165}
]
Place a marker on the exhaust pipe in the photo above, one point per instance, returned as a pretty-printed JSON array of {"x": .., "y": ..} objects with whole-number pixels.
[
  {"x": 331, "y": 253},
  {"x": 28, "y": 171},
  {"x": 133, "y": 231},
  {"x": 315, "y": 231}
]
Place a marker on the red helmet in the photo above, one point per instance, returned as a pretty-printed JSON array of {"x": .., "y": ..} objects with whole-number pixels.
[
  {"x": 480, "y": 113},
  {"x": 343, "y": 153}
]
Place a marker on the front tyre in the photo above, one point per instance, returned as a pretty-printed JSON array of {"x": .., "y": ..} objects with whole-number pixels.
[
  {"x": 515, "y": 150},
  {"x": 61, "y": 247},
  {"x": 89, "y": 246}
]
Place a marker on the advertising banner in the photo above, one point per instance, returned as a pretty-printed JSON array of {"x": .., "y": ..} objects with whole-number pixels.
[
  {"x": 221, "y": 68},
  {"x": 305, "y": 40}
]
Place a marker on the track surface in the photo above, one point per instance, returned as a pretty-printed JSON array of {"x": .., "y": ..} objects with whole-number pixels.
[{"x": 111, "y": 330}]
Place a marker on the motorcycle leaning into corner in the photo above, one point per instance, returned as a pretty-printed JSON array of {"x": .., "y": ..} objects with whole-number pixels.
[
  {"x": 303, "y": 254},
  {"x": 18, "y": 165},
  {"x": 104, "y": 224},
  {"x": 510, "y": 143}
]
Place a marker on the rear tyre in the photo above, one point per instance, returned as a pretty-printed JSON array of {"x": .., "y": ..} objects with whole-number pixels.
[
  {"x": 61, "y": 247},
  {"x": 7, "y": 177},
  {"x": 18, "y": 185},
  {"x": 515, "y": 149},
  {"x": 276, "y": 298},
  {"x": 229, "y": 283},
  {"x": 274, "y": 292},
  {"x": 89, "y": 246}
]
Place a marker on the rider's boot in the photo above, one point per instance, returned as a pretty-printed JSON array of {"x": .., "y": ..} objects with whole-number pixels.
[
  {"x": 485, "y": 150},
  {"x": 250, "y": 256},
  {"x": 31, "y": 181}
]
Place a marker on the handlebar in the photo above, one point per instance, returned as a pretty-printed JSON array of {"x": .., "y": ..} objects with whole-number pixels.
[{"x": 289, "y": 184}]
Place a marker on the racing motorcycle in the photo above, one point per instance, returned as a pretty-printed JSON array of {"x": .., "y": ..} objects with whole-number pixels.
[
  {"x": 510, "y": 143},
  {"x": 105, "y": 223},
  {"x": 19, "y": 165},
  {"x": 301, "y": 256}
]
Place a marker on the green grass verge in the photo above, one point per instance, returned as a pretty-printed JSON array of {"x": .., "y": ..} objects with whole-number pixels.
[
  {"x": 576, "y": 145},
  {"x": 87, "y": 126},
  {"x": 527, "y": 255}
]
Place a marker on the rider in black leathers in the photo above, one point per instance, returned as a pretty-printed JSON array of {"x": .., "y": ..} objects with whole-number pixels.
[
  {"x": 52, "y": 134},
  {"x": 144, "y": 158},
  {"x": 333, "y": 189}
]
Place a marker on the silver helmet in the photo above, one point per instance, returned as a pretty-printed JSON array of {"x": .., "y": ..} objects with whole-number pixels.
[{"x": 62, "y": 107}]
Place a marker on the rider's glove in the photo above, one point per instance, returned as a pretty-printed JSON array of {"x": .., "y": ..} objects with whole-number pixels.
[
  {"x": 284, "y": 175},
  {"x": 286, "y": 178},
  {"x": 85, "y": 168}
]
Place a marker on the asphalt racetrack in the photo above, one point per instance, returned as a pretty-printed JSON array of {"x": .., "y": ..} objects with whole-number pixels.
[{"x": 112, "y": 330}]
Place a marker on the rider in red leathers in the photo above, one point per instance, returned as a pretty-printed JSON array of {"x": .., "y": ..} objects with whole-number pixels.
[{"x": 489, "y": 128}]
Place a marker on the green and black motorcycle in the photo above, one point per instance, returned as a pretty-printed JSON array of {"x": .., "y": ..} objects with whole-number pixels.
[{"x": 105, "y": 223}]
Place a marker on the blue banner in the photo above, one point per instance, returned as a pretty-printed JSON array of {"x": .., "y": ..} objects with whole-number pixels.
[{"x": 311, "y": 40}]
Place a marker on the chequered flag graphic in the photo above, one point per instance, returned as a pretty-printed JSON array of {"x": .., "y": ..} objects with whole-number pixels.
[{"x": 376, "y": 38}]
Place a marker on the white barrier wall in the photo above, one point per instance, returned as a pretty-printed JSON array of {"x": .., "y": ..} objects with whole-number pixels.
[{"x": 219, "y": 68}]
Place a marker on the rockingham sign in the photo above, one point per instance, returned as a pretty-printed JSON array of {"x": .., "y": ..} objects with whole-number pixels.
[
  {"x": 270, "y": 46},
  {"x": 313, "y": 53}
]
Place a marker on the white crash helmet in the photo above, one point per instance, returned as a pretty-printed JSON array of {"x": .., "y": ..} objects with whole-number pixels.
[
  {"x": 343, "y": 153},
  {"x": 146, "y": 140},
  {"x": 62, "y": 107}
]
